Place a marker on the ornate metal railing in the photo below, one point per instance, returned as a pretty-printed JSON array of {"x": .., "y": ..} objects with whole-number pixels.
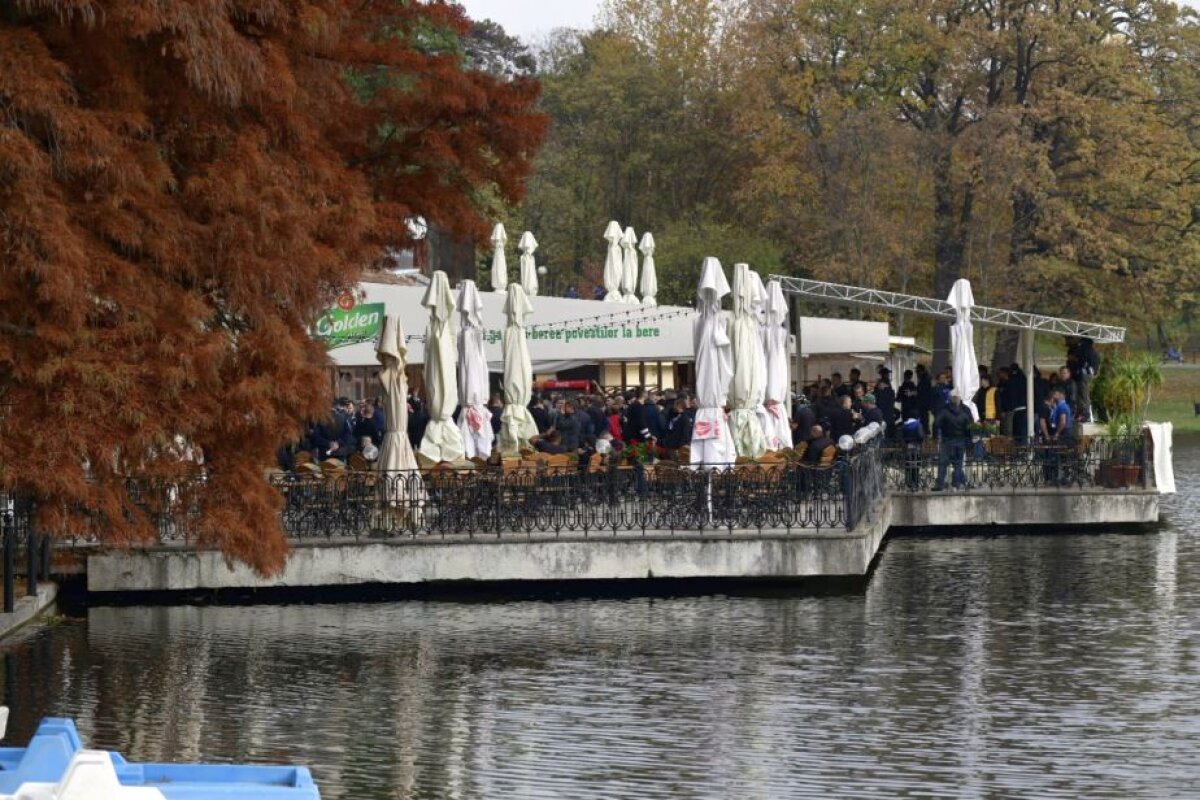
[
  {"x": 22, "y": 551},
  {"x": 660, "y": 499},
  {"x": 1099, "y": 462}
]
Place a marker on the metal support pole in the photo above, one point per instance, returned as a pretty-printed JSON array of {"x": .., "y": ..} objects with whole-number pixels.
[
  {"x": 46, "y": 553},
  {"x": 1030, "y": 409},
  {"x": 794, "y": 327},
  {"x": 10, "y": 563},
  {"x": 31, "y": 563}
]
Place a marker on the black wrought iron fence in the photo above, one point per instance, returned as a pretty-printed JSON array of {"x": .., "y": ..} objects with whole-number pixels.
[
  {"x": 1089, "y": 462},
  {"x": 22, "y": 551},
  {"x": 863, "y": 485},
  {"x": 653, "y": 499},
  {"x": 641, "y": 499}
]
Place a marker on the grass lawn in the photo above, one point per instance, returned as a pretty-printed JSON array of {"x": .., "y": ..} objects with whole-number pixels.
[{"x": 1174, "y": 402}]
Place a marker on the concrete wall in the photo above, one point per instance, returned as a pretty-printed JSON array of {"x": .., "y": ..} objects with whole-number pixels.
[
  {"x": 771, "y": 555},
  {"x": 834, "y": 553},
  {"x": 1068, "y": 510},
  {"x": 28, "y": 608}
]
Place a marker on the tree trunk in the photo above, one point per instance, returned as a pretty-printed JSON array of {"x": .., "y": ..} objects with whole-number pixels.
[
  {"x": 1005, "y": 351},
  {"x": 1024, "y": 212},
  {"x": 951, "y": 216}
]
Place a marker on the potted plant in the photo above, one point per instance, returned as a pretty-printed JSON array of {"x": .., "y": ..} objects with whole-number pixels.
[
  {"x": 639, "y": 453},
  {"x": 1131, "y": 384},
  {"x": 1111, "y": 472},
  {"x": 1127, "y": 384}
]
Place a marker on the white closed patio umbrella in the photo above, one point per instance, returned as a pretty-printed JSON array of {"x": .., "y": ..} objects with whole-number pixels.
[
  {"x": 778, "y": 397},
  {"x": 442, "y": 440},
  {"x": 614, "y": 263},
  {"x": 629, "y": 267},
  {"x": 475, "y": 419},
  {"x": 499, "y": 262},
  {"x": 517, "y": 427},
  {"x": 759, "y": 390},
  {"x": 962, "y": 344},
  {"x": 529, "y": 278},
  {"x": 649, "y": 274},
  {"x": 749, "y": 365},
  {"x": 712, "y": 443},
  {"x": 403, "y": 494}
]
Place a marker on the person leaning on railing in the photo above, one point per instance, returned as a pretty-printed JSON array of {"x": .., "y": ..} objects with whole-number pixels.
[
  {"x": 1061, "y": 435},
  {"x": 912, "y": 435}
]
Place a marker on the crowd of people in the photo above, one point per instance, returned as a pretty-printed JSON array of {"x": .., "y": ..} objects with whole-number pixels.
[
  {"x": 926, "y": 406},
  {"x": 922, "y": 406},
  {"x": 607, "y": 422},
  {"x": 350, "y": 428}
]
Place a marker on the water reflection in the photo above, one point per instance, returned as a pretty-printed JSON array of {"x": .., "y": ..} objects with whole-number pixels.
[{"x": 1047, "y": 666}]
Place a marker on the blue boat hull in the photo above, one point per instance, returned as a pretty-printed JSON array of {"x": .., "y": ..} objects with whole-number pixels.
[{"x": 48, "y": 757}]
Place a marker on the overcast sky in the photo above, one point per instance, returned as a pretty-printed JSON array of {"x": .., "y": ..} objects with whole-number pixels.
[{"x": 528, "y": 19}]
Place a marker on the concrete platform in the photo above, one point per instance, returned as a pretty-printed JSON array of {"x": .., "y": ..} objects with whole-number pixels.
[
  {"x": 1066, "y": 508},
  {"x": 519, "y": 558}
]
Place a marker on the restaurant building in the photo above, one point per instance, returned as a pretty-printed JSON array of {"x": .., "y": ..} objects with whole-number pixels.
[{"x": 613, "y": 346}]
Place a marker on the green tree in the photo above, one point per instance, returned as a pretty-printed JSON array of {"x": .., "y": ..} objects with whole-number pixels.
[
  {"x": 640, "y": 132},
  {"x": 1051, "y": 144}
]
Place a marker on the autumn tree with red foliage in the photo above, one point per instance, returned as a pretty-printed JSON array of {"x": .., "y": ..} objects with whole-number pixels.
[{"x": 184, "y": 187}]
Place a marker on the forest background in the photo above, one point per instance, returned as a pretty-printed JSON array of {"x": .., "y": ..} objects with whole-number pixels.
[{"x": 1047, "y": 151}]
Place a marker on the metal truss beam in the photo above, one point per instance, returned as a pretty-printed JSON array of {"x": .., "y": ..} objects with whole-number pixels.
[{"x": 838, "y": 294}]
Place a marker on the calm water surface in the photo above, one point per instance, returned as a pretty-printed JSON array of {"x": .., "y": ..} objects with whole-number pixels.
[{"x": 1021, "y": 666}]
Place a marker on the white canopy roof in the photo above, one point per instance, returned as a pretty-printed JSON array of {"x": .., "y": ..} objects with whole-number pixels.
[{"x": 593, "y": 334}]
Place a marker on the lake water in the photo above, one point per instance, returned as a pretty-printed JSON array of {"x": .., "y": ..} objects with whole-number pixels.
[{"x": 1017, "y": 666}]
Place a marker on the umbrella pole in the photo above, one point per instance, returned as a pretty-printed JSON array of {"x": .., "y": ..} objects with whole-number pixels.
[{"x": 1030, "y": 410}]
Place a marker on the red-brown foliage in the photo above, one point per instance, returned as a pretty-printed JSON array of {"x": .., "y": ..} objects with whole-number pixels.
[{"x": 184, "y": 187}]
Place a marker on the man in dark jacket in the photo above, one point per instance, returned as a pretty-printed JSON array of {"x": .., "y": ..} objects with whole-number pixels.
[
  {"x": 368, "y": 426},
  {"x": 803, "y": 421},
  {"x": 1041, "y": 386},
  {"x": 679, "y": 429},
  {"x": 598, "y": 417},
  {"x": 1089, "y": 365},
  {"x": 941, "y": 393},
  {"x": 418, "y": 421},
  {"x": 540, "y": 416},
  {"x": 1013, "y": 399},
  {"x": 953, "y": 427},
  {"x": 910, "y": 401},
  {"x": 871, "y": 411},
  {"x": 570, "y": 428},
  {"x": 1066, "y": 382},
  {"x": 841, "y": 419},
  {"x": 817, "y": 445},
  {"x": 496, "y": 406},
  {"x": 636, "y": 428},
  {"x": 924, "y": 394},
  {"x": 912, "y": 436},
  {"x": 885, "y": 397},
  {"x": 653, "y": 413}
]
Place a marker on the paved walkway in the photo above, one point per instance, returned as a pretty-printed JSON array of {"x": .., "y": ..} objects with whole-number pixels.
[{"x": 28, "y": 608}]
